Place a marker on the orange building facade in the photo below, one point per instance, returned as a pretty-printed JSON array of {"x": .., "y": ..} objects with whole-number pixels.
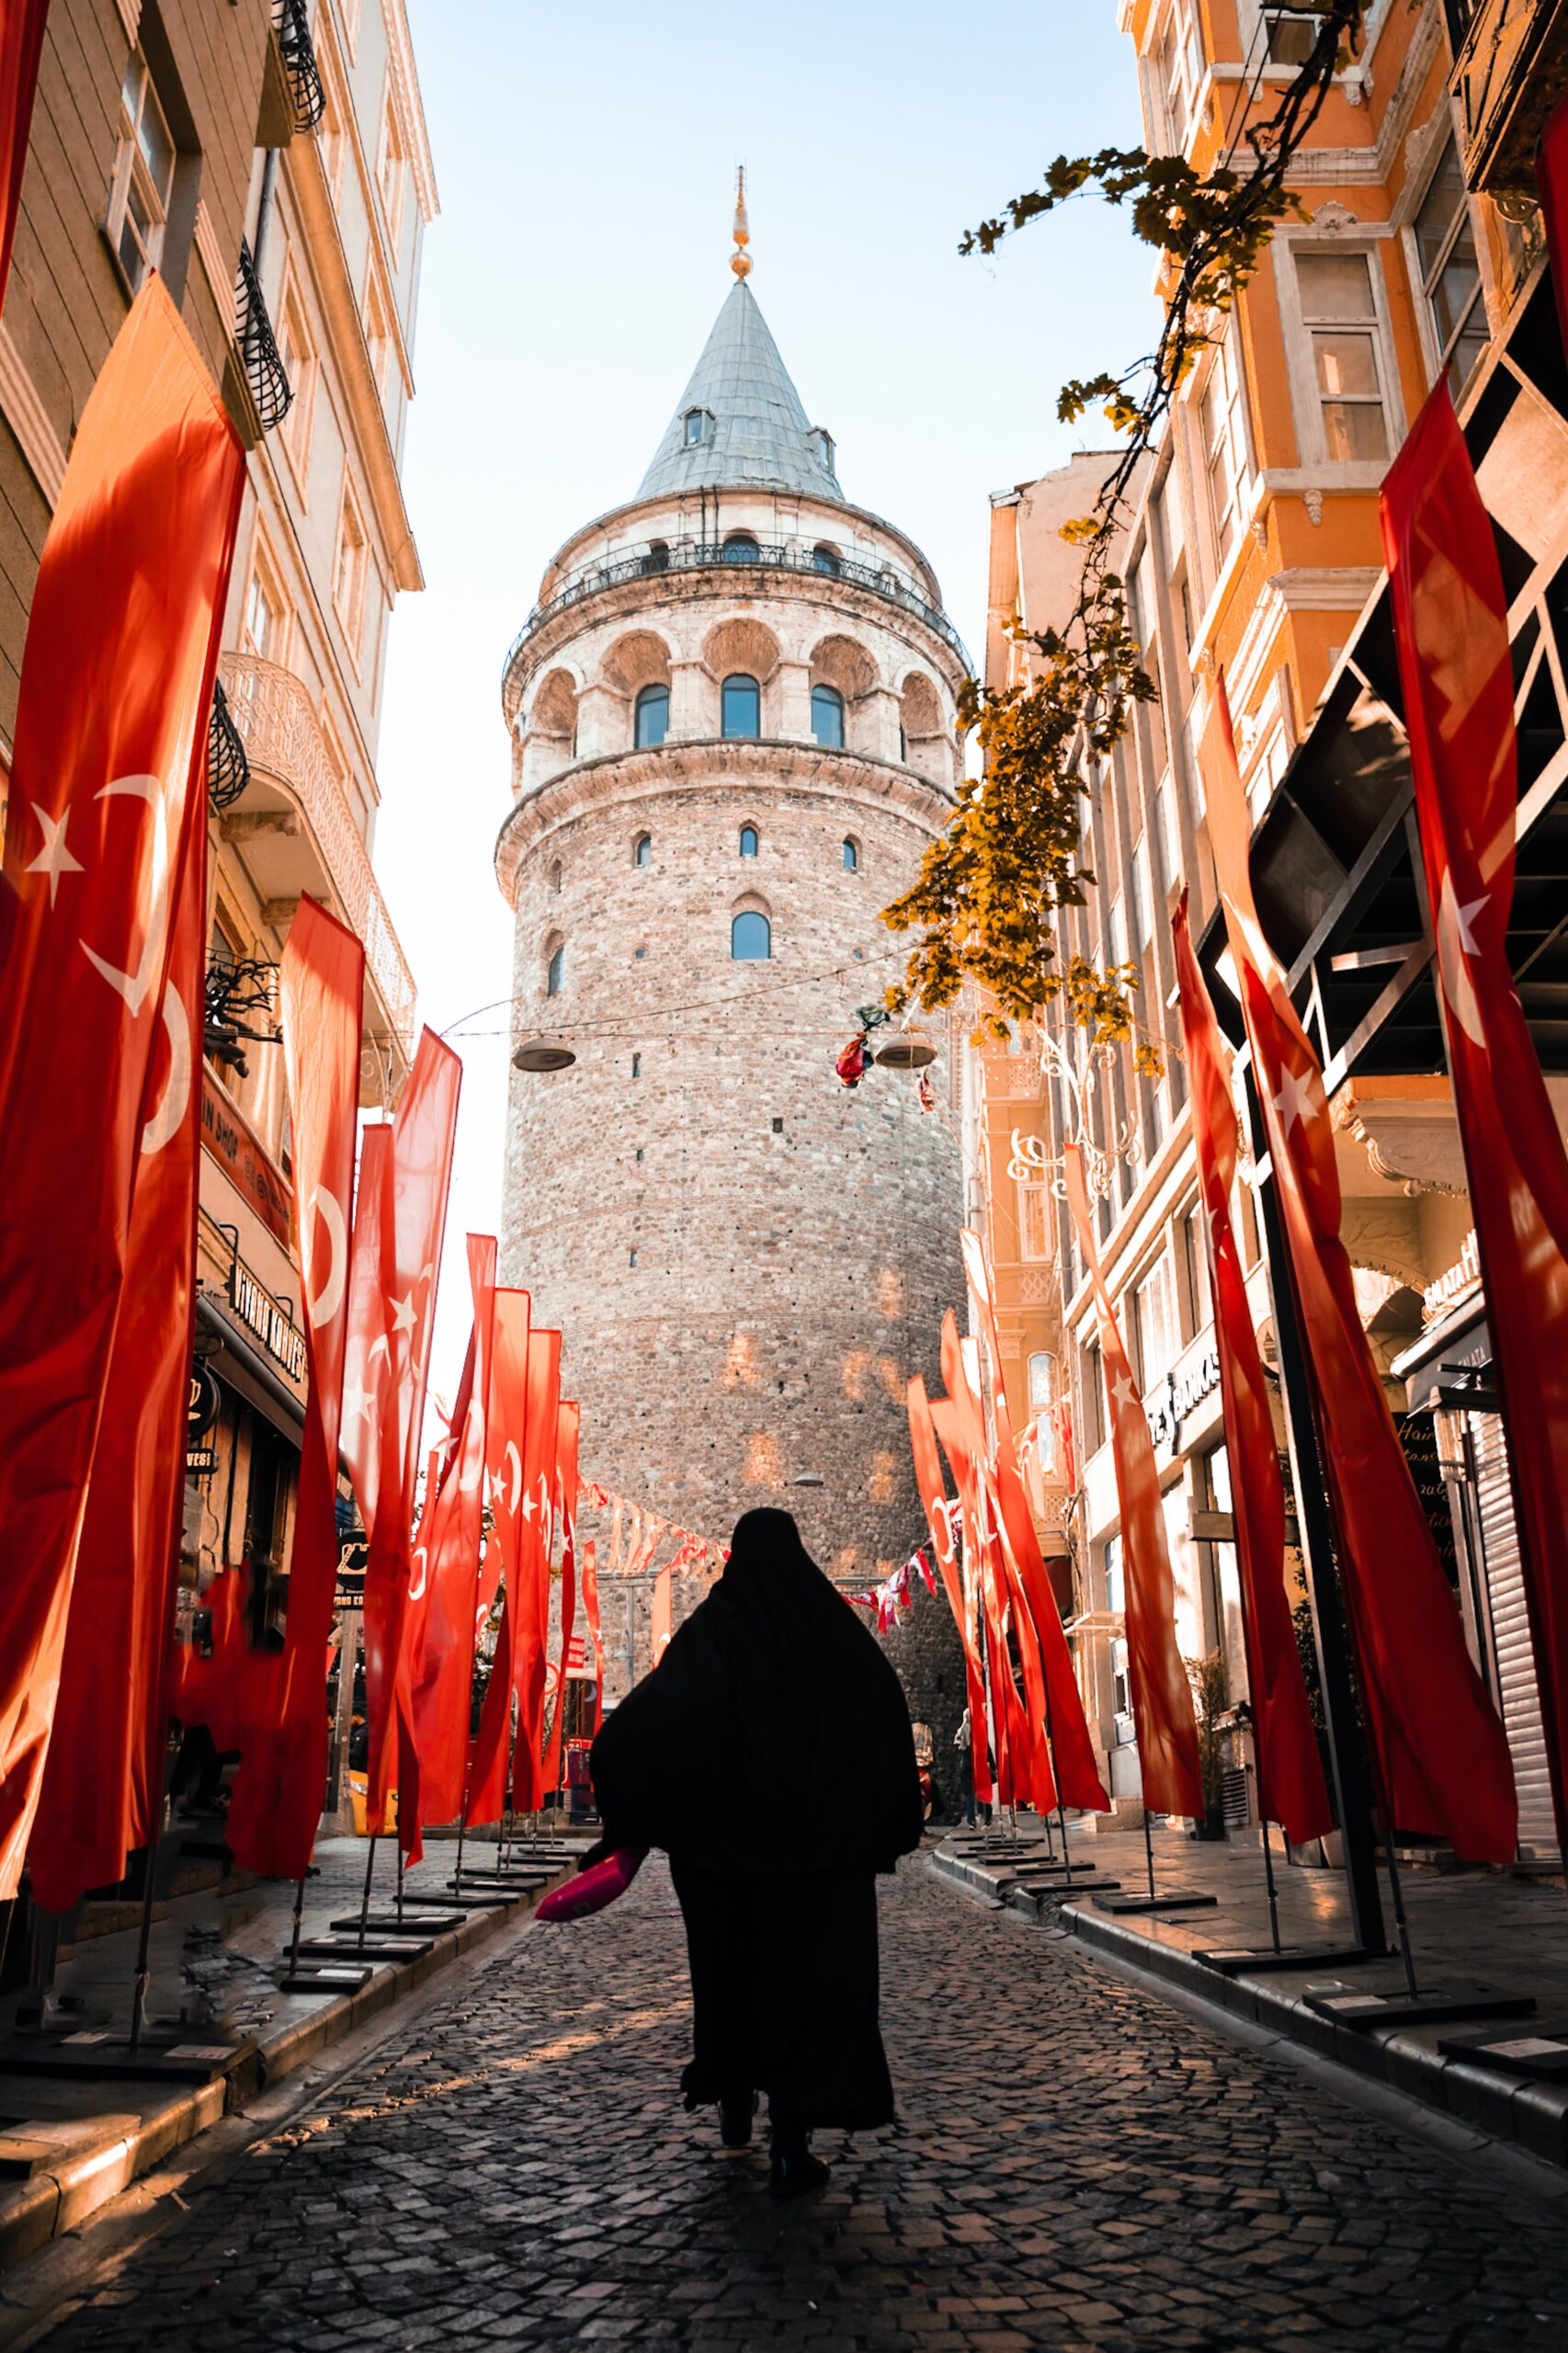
[{"x": 1255, "y": 552}]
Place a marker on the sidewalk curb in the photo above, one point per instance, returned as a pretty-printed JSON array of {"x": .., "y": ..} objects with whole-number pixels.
[
  {"x": 1533, "y": 2117},
  {"x": 51, "y": 2204}
]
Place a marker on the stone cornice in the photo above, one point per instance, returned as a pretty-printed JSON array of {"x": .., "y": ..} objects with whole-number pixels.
[
  {"x": 728, "y": 587},
  {"x": 619, "y": 778}
]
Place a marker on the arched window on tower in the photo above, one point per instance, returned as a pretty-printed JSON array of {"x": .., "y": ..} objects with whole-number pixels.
[
  {"x": 827, "y": 717},
  {"x": 642, "y": 850},
  {"x": 748, "y": 841},
  {"x": 824, "y": 559},
  {"x": 653, "y": 717},
  {"x": 741, "y": 547},
  {"x": 851, "y": 855},
  {"x": 555, "y": 876},
  {"x": 555, "y": 972},
  {"x": 741, "y": 704},
  {"x": 751, "y": 938},
  {"x": 657, "y": 558}
]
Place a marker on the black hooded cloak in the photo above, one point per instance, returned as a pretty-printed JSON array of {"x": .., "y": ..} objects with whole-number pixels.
[{"x": 770, "y": 1756}]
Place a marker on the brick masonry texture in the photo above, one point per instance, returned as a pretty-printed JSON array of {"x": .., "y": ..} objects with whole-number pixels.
[
  {"x": 795, "y": 1243},
  {"x": 1077, "y": 2166}
]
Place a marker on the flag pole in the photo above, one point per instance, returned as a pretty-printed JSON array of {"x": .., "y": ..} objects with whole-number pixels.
[
  {"x": 365, "y": 1898},
  {"x": 144, "y": 1940},
  {"x": 299, "y": 1923}
]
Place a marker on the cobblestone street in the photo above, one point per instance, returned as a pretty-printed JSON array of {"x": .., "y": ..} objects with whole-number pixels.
[{"x": 1078, "y": 2167}]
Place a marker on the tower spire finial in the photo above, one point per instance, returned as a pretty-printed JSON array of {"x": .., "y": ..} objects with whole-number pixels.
[{"x": 740, "y": 260}]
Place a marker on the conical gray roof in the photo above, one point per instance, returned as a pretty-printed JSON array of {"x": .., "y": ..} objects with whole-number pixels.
[{"x": 755, "y": 433}]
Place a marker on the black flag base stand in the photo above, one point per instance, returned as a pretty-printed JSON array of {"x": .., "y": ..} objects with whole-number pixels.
[
  {"x": 1247, "y": 1961},
  {"x": 1541, "y": 2055},
  {"x": 1363, "y": 2008},
  {"x": 1170, "y": 1899}
]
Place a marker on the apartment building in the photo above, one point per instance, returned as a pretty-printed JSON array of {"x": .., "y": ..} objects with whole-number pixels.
[{"x": 1255, "y": 551}]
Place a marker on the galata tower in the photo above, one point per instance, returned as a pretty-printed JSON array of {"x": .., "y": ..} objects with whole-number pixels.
[{"x": 731, "y": 717}]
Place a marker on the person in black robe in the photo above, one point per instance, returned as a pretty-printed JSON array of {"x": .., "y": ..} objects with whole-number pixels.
[{"x": 770, "y": 1756}]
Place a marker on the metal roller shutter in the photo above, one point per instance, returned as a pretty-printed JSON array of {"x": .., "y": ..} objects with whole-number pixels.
[{"x": 1511, "y": 1636}]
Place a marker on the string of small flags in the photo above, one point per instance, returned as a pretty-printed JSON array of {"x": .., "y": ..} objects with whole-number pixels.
[{"x": 896, "y": 1592}]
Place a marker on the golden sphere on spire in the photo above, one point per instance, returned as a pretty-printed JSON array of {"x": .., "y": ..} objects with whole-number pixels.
[{"x": 740, "y": 261}]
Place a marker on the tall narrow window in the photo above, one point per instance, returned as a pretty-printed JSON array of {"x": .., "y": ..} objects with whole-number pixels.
[
  {"x": 1340, "y": 314},
  {"x": 748, "y": 841},
  {"x": 742, "y": 706},
  {"x": 636, "y": 1065},
  {"x": 1224, "y": 447},
  {"x": 555, "y": 972},
  {"x": 741, "y": 547},
  {"x": 642, "y": 850},
  {"x": 1451, "y": 275},
  {"x": 824, "y": 559},
  {"x": 751, "y": 938},
  {"x": 653, "y": 717},
  {"x": 1034, "y": 1222},
  {"x": 144, "y": 175},
  {"x": 851, "y": 855},
  {"x": 696, "y": 427},
  {"x": 389, "y": 172},
  {"x": 1042, "y": 1381},
  {"x": 827, "y": 717},
  {"x": 349, "y": 570},
  {"x": 297, "y": 352},
  {"x": 555, "y": 876}
]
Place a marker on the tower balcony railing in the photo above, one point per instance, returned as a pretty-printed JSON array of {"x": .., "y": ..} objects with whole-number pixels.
[
  {"x": 657, "y": 559},
  {"x": 272, "y": 712}
]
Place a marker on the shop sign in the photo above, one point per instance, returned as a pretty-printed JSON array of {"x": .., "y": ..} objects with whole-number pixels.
[
  {"x": 577, "y": 1665},
  {"x": 205, "y": 1400},
  {"x": 225, "y": 1136},
  {"x": 1456, "y": 1282},
  {"x": 272, "y": 1325},
  {"x": 1176, "y": 1399},
  {"x": 353, "y": 1554},
  {"x": 201, "y": 1461}
]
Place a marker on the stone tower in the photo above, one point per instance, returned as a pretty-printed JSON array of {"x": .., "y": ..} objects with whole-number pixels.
[{"x": 732, "y": 715}]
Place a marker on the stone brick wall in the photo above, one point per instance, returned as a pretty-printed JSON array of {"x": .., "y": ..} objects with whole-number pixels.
[{"x": 746, "y": 1260}]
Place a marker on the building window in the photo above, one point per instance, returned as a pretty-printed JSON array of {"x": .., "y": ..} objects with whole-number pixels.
[
  {"x": 262, "y": 628},
  {"x": 748, "y": 841},
  {"x": 653, "y": 717},
  {"x": 657, "y": 558},
  {"x": 751, "y": 938},
  {"x": 555, "y": 876},
  {"x": 823, "y": 439},
  {"x": 777, "y": 1127},
  {"x": 378, "y": 337},
  {"x": 851, "y": 855},
  {"x": 1034, "y": 1222},
  {"x": 642, "y": 850},
  {"x": 741, "y": 547},
  {"x": 1339, "y": 312},
  {"x": 298, "y": 354},
  {"x": 1290, "y": 34},
  {"x": 349, "y": 570},
  {"x": 636, "y": 1065},
  {"x": 742, "y": 706},
  {"x": 827, "y": 717},
  {"x": 1195, "y": 1245},
  {"x": 389, "y": 171},
  {"x": 1115, "y": 1586},
  {"x": 1042, "y": 1381},
  {"x": 696, "y": 427},
  {"x": 144, "y": 176},
  {"x": 555, "y": 970},
  {"x": 824, "y": 559},
  {"x": 1224, "y": 447},
  {"x": 1091, "y": 1381},
  {"x": 1178, "y": 60},
  {"x": 1156, "y": 1324},
  {"x": 1451, "y": 275},
  {"x": 1142, "y": 892},
  {"x": 631, "y": 1258}
]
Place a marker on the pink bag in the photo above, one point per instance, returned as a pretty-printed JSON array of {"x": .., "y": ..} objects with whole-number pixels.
[{"x": 592, "y": 1890}]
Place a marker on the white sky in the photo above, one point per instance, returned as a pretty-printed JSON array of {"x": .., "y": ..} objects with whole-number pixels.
[{"x": 585, "y": 158}]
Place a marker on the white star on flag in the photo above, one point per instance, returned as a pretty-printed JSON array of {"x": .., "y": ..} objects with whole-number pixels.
[
  {"x": 404, "y": 1316},
  {"x": 528, "y": 1506},
  {"x": 1294, "y": 1099},
  {"x": 357, "y": 1402},
  {"x": 1464, "y": 921},
  {"x": 55, "y": 859},
  {"x": 1121, "y": 1389}
]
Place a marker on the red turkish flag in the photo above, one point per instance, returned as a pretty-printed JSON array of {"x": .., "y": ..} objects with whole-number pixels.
[
  {"x": 1162, "y": 1696},
  {"x": 103, "y": 1783},
  {"x": 950, "y": 1424},
  {"x": 942, "y": 1518},
  {"x": 591, "y": 1605},
  {"x": 1438, "y": 1745},
  {"x": 530, "y": 1630},
  {"x": 506, "y": 1438},
  {"x": 448, "y": 1592},
  {"x": 567, "y": 1427},
  {"x": 278, "y": 1789},
  {"x": 1072, "y": 1749},
  {"x": 107, "y": 787},
  {"x": 1452, "y": 634},
  {"x": 367, "y": 1347},
  {"x": 21, "y": 45},
  {"x": 1289, "y": 1771},
  {"x": 419, "y": 1178}
]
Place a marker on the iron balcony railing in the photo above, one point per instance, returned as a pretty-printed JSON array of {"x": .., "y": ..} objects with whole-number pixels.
[
  {"x": 264, "y": 371},
  {"x": 228, "y": 770},
  {"x": 656, "y": 559},
  {"x": 299, "y": 63}
]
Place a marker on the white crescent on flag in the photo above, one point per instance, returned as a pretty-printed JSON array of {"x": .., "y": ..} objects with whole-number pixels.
[
  {"x": 133, "y": 986},
  {"x": 164, "y": 1123},
  {"x": 329, "y": 1299}
]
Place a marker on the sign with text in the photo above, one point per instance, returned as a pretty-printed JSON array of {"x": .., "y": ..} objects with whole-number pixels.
[
  {"x": 226, "y": 1136},
  {"x": 272, "y": 1325}
]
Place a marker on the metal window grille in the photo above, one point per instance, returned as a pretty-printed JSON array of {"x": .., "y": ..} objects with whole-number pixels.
[
  {"x": 228, "y": 769},
  {"x": 241, "y": 993},
  {"x": 299, "y": 63},
  {"x": 264, "y": 371}
]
